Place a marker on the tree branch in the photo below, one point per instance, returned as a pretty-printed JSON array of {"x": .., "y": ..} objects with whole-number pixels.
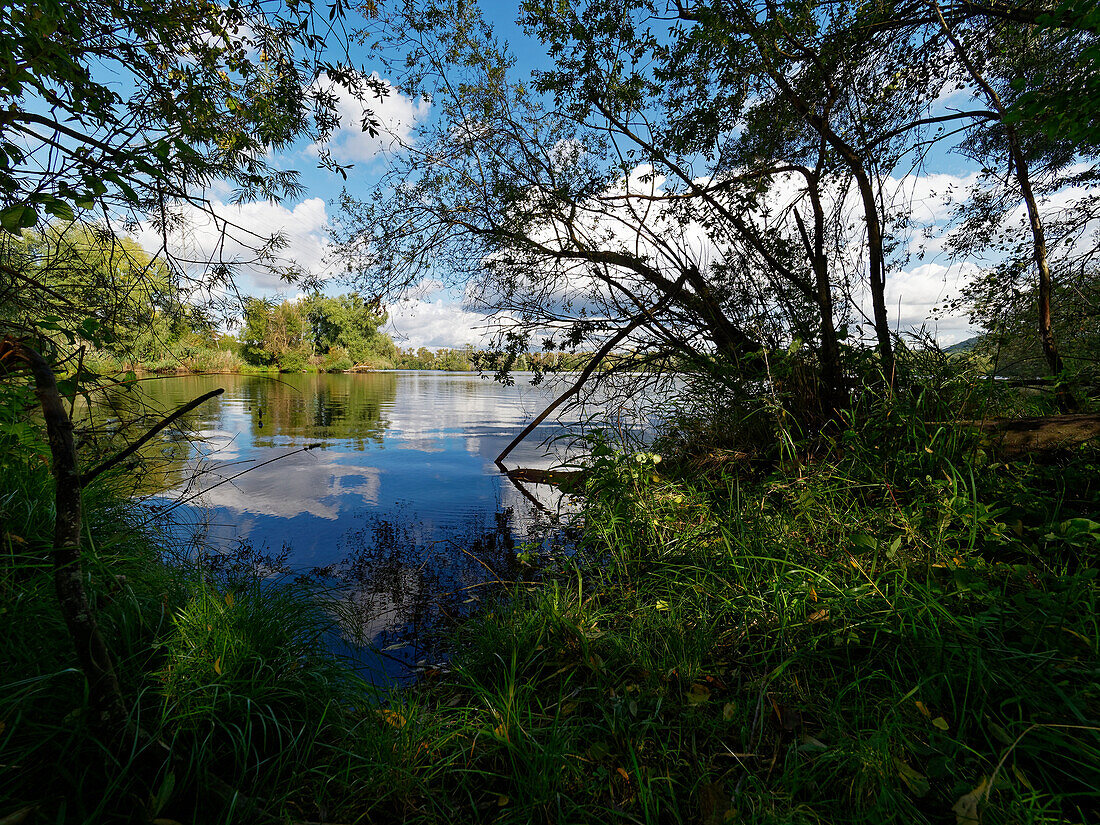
[
  {"x": 89, "y": 476},
  {"x": 590, "y": 367}
]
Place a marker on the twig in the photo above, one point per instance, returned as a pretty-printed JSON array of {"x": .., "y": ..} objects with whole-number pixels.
[
  {"x": 635, "y": 322},
  {"x": 87, "y": 477}
]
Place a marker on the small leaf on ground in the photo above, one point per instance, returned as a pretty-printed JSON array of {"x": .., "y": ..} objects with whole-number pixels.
[
  {"x": 812, "y": 743},
  {"x": 914, "y": 779},
  {"x": 966, "y": 807},
  {"x": 698, "y": 694},
  {"x": 392, "y": 717}
]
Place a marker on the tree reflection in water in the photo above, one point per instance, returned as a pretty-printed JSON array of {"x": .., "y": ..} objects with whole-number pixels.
[{"x": 397, "y": 589}]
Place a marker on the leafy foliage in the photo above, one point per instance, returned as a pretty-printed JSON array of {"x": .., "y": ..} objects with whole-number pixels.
[
  {"x": 1062, "y": 103},
  {"x": 340, "y": 331},
  {"x": 207, "y": 89}
]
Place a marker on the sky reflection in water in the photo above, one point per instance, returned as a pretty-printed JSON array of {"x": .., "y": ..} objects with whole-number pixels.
[{"x": 401, "y": 506}]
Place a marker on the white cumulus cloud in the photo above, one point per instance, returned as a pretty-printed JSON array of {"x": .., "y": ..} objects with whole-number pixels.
[
  {"x": 237, "y": 234},
  {"x": 397, "y": 115},
  {"x": 433, "y": 321}
]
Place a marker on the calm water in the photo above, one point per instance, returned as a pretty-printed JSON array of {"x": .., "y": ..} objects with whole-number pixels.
[{"x": 399, "y": 506}]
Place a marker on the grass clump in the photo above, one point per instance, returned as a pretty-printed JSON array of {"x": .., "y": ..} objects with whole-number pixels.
[{"x": 231, "y": 680}]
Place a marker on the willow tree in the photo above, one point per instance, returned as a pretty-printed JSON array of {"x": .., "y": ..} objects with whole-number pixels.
[
  {"x": 568, "y": 207},
  {"x": 723, "y": 177}
]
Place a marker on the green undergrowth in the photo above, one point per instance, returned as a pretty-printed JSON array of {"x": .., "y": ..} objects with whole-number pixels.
[
  {"x": 886, "y": 625},
  {"x": 900, "y": 630},
  {"x": 231, "y": 680}
]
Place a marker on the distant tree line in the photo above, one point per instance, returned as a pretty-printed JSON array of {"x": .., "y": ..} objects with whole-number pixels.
[{"x": 114, "y": 307}]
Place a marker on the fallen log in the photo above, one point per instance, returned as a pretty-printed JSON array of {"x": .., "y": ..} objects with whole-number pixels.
[
  {"x": 565, "y": 480},
  {"x": 1039, "y": 435}
]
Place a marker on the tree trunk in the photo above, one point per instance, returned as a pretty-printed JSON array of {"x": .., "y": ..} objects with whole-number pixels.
[
  {"x": 1038, "y": 236},
  {"x": 1042, "y": 266},
  {"x": 835, "y": 395},
  {"x": 110, "y": 718}
]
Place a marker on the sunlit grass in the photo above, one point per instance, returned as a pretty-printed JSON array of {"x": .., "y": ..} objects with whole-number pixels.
[{"x": 829, "y": 644}]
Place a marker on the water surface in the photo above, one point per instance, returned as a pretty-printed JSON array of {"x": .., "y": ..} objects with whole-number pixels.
[{"x": 396, "y": 502}]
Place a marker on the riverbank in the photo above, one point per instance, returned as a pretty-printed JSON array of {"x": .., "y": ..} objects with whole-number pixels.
[
  {"x": 204, "y": 361},
  {"x": 901, "y": 628},
  {"x": 196, "y": 359},
  {"x": 902, "y": 631}
]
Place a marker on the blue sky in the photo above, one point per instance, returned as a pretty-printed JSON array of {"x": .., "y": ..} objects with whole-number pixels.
[{"x": 432, "y": 318}]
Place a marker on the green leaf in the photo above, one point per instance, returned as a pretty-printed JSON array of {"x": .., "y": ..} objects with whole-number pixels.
[
  {"x": 1078, "y": 525},
  {"x": 11, "y": 218},
  {"x": 128, "y": 191},
  {"x": 894, "y": 546},
  {"x": 863, "y": 540},
  {"x": 60, "y": 209},
  {"x": 27, "y": 217},
  {"x": 916, "y": 781}
]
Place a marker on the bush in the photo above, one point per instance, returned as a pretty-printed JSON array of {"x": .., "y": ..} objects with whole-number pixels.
[
  {"x": 293, "y": 361},
  {"x": 336, "y": 359}
]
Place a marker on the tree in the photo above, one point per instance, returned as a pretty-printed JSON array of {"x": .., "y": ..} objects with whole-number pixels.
[
  {"x": 679, "y": 167},
  {"x": 253, "y": 335},
  {"x": 1000, "y": 61},
  {"x": 1008, "y": 323},
  {"x": 561, "y": 232},
  {"x": 110, "y": 718},
  {"x": 86, "y": 279},
  {"x": 127, "y": 114},
  {"x": 347, "y": 321},
  {"x": 738, "y": 164},
  {"x": 1062, "y": 104},
  {"x": 113, "y": 114}
]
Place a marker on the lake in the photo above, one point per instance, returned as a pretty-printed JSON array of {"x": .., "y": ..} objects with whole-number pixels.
[{"x": 397, "y": 505}]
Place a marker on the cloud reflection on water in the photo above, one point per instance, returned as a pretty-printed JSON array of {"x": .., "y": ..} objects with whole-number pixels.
[{"x": 401, "y": 509}]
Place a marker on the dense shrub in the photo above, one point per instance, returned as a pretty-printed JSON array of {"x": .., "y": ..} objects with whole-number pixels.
[
  {"x": 293, "y": 361},
  {"x": 336, "y": 359}
]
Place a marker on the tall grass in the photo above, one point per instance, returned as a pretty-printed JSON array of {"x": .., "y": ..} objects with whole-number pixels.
[
  {"x": 232, "y": 681},
  {"x": 888, "y": 624}
]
